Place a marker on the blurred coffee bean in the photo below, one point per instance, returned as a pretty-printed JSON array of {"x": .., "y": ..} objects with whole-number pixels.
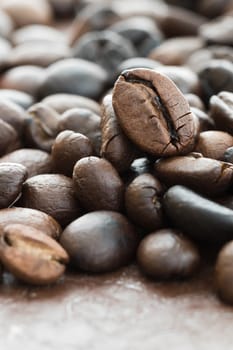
[
  {"x": 30, "y": 255},
  {"x": 175, "y": 51},
  {"x": 98, "y": 185},
  {"x": 23, "y": 78},
  {"x": 85, "y": 122},
  {"x": 204, "y": 121},
  {"x": 198, "y": 217},
  {"x": 100, "y": 241},
  {"x": 143, "y": 202},
  {"x": 167, "y": 254},
  {"x": 224, "y": 273},
  {"x": 12, "y": 177},
  {"x": 53, "y": 194},
  {"x": 137, "y": 62},
  {"x": 165, "y": 112},
  {"x": 116, "y": 147},
  {"x": 221, "y": 110},
  {"x": 63, "y": 102},
  {"x": 75, "y": 76},
  {"x": 142, "y": 32},
  {"x": 20, "y": 98},
  {"x": 9, "y": 139},
  {"x": 195, "y": 101},
  {"x": 41, "y": 126},
  {"x": 26, "y": 12},
  {"x": 67, "y": 149},
  {"x": 35, "y": 161},
  {"x": 30, "y": 217},
  {"x": 204, "y": 175},
  {"x": 219, "y": 31},
  {"x": 106, "y": 48},
  {"x": 213, "y": 143},
  {"x": 13, "y": 114}
]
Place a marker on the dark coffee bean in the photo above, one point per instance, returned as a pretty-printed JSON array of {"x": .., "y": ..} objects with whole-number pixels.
[
  {"x": 100, "y": 241},
  {"x": 75, "y": 76},
  {"x": 116, "y": 147},
  {"x": 53, "y": 194},
  {"x": 18, "y": 97},
  {"x": 228, "y": 155},
  {"x": 224, "y": 273},
  {"x": 9, "y": 140},
  {"x": 207, "y": 176},
  {"x": 195, "y": 101},
  {"x": 12, "y": 114},
  {"x": 153, "y": 113},
  {"x": 30, "y": 217},
  {"x": 213, "y": 143},
  {"x": 143, "y": 202},
  {"x": 106, "y": 48},
  {"x": 12, "y": 177},
  {"x": 31, "y": 255},
  {"x": 198, "y": 217},
  {"x": 35, "y": 161},
  {"x": 204, "y": 121},
  {"x": 41, "y": 126},
  {"x": 67, "y": 149},
  {"x": 85, "y": 122},
  {"x": 219, "y": 31},
  {"x": 167, "y": 254},
  {"x": 98, "y": 185},
  {"x": 221, "y": 110},
  {"x": 176, "y": 51}
]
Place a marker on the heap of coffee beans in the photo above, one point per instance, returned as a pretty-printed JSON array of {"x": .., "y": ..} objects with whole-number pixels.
[{"x": 116, "y": 138}]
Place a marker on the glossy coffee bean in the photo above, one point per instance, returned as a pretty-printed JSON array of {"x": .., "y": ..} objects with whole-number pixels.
[
  {"x": 221, "y": 110},
  {"x": 167, "y": 254},
  {"x": 67, "y": 149},
  {"x": 35, "y": 161},
  {"x": 9, "y": 139},
  {"x": 224, "y": 273},
  {"x": 12, "y": 177},
  {"x": 213, "y": 143},
  {"x": 100, "y": 241},
  {"x": 115, "y": 147},
  {"x": 143, "y": 202},
  {"x": 198, "y": 217},
  {"x": 31, "y": 255},
  {"x": 167, "y": 127},
  {"x": 204, "y": 175},
  {"x": 30, "y": 217},
  {"x": 53, "y": 194},
  {"x": 98, "y": 185}
]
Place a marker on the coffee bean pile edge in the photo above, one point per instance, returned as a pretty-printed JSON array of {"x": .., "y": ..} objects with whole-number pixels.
[{"x": 116, "y": 138}]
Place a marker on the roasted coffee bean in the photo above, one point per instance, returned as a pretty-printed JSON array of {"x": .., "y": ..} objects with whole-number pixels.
[
  {"x": 219, "y": 31},
  {"x": 75, "y": 76},
  {"x": 53, "y": 194},
  {"x": 13, "y": 114},
  {"x": 153, "y": 113},
  {"x": 98, "y": 185},
  {"x": 9, "y": 139},
  {"x": 100, "y": 241},
  {"x": 204, "y": 175},
  {"x": 35, "y": 161},
  {"x": 143, "y": 202},
  {"x": 213, "y": 143},
  {"x": 198, "y": 217},
  {"x": 12, "y": 177},
  {"x": 20, "y": 98},
  {"x": 116, "y": 147},
  {"x": 85, "y": 122},
  {"x": 41, "y": 126},
  {"x": 221, "y": 110},
  {"x": 224, "y": 273},
  {"x": 167, "y": 254},
  {"x": 31, "y": 255},
  {"x": 30, "y": 217},
  {"x": 67, "y": 149}
]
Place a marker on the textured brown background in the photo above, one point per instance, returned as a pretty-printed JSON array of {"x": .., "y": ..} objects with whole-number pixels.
[{"x": 118, "y": 311}]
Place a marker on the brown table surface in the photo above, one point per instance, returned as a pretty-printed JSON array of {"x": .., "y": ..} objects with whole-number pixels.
[{"x": 121, "y": 310}]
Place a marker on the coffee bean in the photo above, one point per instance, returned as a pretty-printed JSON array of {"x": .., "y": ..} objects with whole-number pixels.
[
  {"x": 9, "y": 139},
  {"x": 153, "y": 113},
  {"x": 143, "y": 202},
  {"x": 219, "y": 31},
  {"x": 31, "y": 255},
  {"x": 13, "y": 114},
  {"x": 198, "y": 217},
  {"x": 167, "y": 254},
  {"x": 30, "y": 217},
  {"x": 67, "y": 149},
  {"x": 12, "y": 177},
  {"x": 100, "y": 241},
  {"x": 213, "y": 143},
  {"x": 221, "y": 110},
  {"x": 98, "y": 185},
  {"x": 53, "y": 194},
  {"x": 224, "y": 273}
]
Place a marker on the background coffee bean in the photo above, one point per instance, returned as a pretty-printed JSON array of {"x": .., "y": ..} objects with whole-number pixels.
[
  {"x": 13, "y": 114},
  {"x": 221, "y": 110},
  {"x": 9, "y": 139}
]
